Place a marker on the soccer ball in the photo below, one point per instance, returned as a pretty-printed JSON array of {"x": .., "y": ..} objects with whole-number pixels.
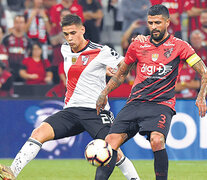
[{"x": 98, "y": 152}]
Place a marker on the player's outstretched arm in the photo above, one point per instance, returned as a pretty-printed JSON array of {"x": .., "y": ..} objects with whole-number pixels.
[
  {"x": 114, "y": 83},
  {"x": 201, "y": 98}
]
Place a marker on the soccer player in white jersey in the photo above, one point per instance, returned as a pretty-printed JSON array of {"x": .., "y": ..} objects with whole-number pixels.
[{"x": 85, "y": 68}]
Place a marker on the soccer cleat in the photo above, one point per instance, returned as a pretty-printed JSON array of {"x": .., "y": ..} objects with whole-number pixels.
[{"x": 6, "y": 173}]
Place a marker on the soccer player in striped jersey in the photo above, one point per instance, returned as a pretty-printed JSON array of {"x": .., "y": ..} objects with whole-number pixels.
[{"x": 150, "y": 106}]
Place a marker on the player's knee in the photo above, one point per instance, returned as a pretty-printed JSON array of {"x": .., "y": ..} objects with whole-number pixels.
[
  {"x": 157, "y": 141},
  {"x": 114, "y": 140},
  {"x": 37, "y": 134},
  {"x": 43, "y": 133}
]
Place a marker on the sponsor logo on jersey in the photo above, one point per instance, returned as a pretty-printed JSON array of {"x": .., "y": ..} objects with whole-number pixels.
[
  {"x": 84, "y": 59},
  {"x": 145, "y": 45},
  {"x": 168, "y": 44},
  {"x": 74, "y": 59},
  {"x": 155, "y": 57},
  {"x": 168, "y": 52},
  {"x": 161, "y": 69}
]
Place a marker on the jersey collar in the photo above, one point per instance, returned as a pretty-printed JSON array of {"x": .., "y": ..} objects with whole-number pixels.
[
  {"x": 160, "y": 42},
  {"x": 83, "y": 49}
]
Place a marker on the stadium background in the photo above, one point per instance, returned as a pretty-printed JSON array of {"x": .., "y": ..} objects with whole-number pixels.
[{"x": 186, "y": 141}]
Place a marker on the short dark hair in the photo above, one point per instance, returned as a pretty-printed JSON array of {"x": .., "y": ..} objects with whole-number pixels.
[
  {"x": 71, "y": 19},
  {"x": 159, "y": 9}
]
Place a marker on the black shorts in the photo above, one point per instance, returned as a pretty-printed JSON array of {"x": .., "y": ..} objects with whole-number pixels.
[
  {"x": 74, "y": 120},
  {"x": 143, "y": 117}
]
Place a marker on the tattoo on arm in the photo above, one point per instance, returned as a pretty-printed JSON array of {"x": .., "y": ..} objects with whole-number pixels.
[
  {"x": 119, "y": 77},
  {"x": 201, "y": 68}
]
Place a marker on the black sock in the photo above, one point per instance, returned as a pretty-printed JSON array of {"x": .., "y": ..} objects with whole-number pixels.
[
  {"x": 161, "y": 164},
  {"x": 103, "y": 172}
]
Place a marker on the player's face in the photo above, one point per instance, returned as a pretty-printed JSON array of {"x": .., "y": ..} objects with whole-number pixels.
[
  {"x": 74, "y": 35},
  {"x": 158, "y": 26}
]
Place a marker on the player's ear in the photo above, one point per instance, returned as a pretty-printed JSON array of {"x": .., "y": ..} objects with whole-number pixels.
[
  {"x": 167, "y": 22},
  {"x": 83, "y": 29}
]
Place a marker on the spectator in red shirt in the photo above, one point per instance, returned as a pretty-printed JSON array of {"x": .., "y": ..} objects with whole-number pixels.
[
  {"x": 6, "y": 81},
  {"x": 37, "y": 22},
  {"x": 38, "y": 25},
  {"x": 194, "y": 9},
  {"x": 35, "y": 69},
  {"x": 203, "y": 20},
  {"x": 196, "y": 40},
  {"x": 73, "y": 7},
  {"x": 3, "y": 51},
  {"x": 17, "y": 44}
]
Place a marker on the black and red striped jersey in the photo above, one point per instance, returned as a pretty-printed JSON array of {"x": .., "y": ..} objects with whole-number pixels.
[{"x": 158, "y": 66}]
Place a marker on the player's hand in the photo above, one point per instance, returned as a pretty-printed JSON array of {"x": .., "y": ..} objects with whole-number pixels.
[
  {"x": 101, "y": 102},
  {"x": 141, "y": 38},
  {"x": 201, "y": 104},
  {"x": 110, "y": 71}
]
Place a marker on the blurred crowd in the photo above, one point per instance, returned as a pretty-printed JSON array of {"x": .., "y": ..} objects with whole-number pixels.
[{"x": 31, "y": 38}]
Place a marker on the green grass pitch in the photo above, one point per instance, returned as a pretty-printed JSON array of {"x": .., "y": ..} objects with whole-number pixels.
[{"x": 81, "y": 170}]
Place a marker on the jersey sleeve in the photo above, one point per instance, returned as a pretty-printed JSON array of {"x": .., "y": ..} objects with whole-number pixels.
[
  {"x": 131, "y": 54},
  {"x": 110, "y": 57},
  {"x": 188, "y": 54}
]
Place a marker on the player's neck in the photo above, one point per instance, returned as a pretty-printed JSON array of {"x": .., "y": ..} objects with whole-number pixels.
[
  {"x": 164, "y": 37},
  {"x": 81, "y": 46}
]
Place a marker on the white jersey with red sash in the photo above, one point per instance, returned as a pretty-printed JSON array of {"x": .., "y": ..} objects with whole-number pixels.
[{"x": 86, "y": 73}]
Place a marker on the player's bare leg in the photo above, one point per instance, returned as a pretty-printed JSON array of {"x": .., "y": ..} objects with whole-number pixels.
[
  {"x": 157, "y": 141},
  {"x": 115, "y": 140},
  {"x": 28, "y": 151}
]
